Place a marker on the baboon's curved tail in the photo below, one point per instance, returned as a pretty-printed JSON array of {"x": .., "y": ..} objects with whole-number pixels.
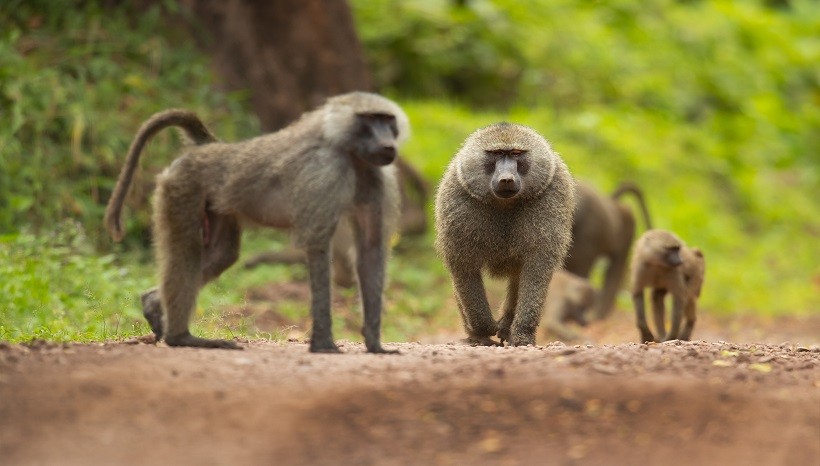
[
  {"x": 632, "y": 188},
  {"x": 192, "y": 128}
]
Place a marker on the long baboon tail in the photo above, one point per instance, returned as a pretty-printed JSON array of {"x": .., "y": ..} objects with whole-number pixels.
[
  {"x": 192, "y": 128},
  {"x": 632, "y": 188}
]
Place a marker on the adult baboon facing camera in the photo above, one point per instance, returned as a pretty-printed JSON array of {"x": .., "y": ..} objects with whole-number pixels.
[
  {"x": 603, "y": 227},
  {"x": 504, "y": 205},
  {"x": 332, "y": 164},
  {"x": 665, "y": 264}
]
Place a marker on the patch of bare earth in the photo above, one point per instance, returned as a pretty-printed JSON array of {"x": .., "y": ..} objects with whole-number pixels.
[{"x": 274, "y": 403}]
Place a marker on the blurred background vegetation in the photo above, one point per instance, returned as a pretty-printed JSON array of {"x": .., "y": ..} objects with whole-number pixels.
[{"x": 713, "y": 107}]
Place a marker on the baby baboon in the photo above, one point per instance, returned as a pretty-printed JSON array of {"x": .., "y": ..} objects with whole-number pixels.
[
  {"x": 332, "y": 164},
  {"x": 603, "y": 227},
  {"x": 664, "y": 263},
  {"x": 568, "y": 298},
  {"x": 505, "y": 206}
]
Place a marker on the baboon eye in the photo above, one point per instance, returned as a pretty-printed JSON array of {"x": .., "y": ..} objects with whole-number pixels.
[{"x": 516, "y": 152}]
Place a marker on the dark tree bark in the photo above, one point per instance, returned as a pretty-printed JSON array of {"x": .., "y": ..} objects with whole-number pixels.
[{"x": 290, "y": 54}]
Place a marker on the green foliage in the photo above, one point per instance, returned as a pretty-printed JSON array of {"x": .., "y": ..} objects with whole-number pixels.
[
  {"x": 55, "y": 287},
  {"x": 76, "y": 81},
  {"x": 422, "y": 49},
  {"x": 712, "y": 107}
]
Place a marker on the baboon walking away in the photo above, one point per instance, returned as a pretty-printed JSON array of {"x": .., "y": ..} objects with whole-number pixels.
[
  {"x": 331, "y": 165},
  {"x": 603, "y": 227},
  {"x": 504, "y": 206}
]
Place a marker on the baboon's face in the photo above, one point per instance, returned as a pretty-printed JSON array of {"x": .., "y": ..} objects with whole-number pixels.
[
  {"x": 376, "y": 138},
  {"x": 670, "y": 256},
  {"x": 506, "y": 167}
]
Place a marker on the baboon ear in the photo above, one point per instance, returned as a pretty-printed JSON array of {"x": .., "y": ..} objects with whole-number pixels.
[{"x": 697, "y": 252}]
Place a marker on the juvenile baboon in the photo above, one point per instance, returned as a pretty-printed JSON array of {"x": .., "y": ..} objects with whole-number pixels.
[
  {"x": 568, "y": 298},
  {"x": 665, "y": 264},
  {"x": 331, "y": 165},
  {"x": 603, "y": 227},
  {"x": 505, "y": 206}
]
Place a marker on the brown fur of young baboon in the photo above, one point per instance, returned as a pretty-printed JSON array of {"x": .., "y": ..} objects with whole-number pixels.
[
  {"x": 504, "y": 206},
  {"x": 569, "y": 297},
  {"x": 332, "y": 165},
  {"x": 665, "y": 264},
  {"x": 604, "y": 228}
]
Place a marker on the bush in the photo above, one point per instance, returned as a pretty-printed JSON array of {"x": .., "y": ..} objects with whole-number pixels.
[{"x": 76, "y": 81}]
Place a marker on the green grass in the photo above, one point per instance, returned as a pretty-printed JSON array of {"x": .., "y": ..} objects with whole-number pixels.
[{"x": 712, "y": 107}]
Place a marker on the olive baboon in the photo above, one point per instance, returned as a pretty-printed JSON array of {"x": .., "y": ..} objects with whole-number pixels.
[
  {"x": 332, "y": 164},
  {"x": 664, "y": 263},
  {"x": 568, "y": 298},
  {"x": 504, "y": 205},
  {"x": 412, "y": 221},
  {"x": 603, "y": 227}
]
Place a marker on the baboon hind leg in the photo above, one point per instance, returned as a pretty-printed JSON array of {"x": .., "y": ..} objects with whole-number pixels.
[
  {"x": 181, "y": 256},
  {"x": 614, "y": 277},
  {"x": 220, "y": 253}
]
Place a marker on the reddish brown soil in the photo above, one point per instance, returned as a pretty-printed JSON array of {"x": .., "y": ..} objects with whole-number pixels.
[{"x": 274, "y": 403}]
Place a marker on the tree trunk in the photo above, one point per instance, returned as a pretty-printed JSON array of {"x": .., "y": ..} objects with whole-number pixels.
[{"x": 290, "y": 54}]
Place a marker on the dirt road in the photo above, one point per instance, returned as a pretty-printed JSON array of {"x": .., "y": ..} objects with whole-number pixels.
[{"x": 274, "y": 403}]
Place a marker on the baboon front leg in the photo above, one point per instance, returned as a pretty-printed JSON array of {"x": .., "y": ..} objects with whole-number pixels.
[
  {"x": 640, "y": 315},
  {"x": 659, "y": 311},
  {"x": 532, "y": 293},
  {"x": 371, "y": 252},
  {"x": 677, "y": 316},
  {"x": 478, "y": 319},
  {"x": 689, "y": 314},
  {"x": 321, "y": 340},
  {"x": 508, "y": 308}
]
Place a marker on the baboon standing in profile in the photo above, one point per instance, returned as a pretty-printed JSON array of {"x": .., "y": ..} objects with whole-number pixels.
[
  {"x": 603, "y": 227},
  {"x": 568, "y": 298},
  {"x": 665, "y": 264},
  {"x": 505, "y": 206},
  {"x": 331, "y": 165},
  {"x": 412, "y": 221}
]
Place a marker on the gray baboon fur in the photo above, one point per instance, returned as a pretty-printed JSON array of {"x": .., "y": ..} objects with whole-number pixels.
[
  {"x": 568, "y": 299},
  {"x": 665, "y": 264},
  {"x": 331, "y": 165},
  {"x": 603, "y": 227},
  {"x": 505, "y": 206},
  {"x": 412, "y": 222}
]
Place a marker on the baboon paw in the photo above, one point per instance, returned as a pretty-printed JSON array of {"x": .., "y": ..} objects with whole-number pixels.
[
  {"x": 380, "y": 350},
  {"x": 481, "y": 341},
  {"x": 503, "y": 334},
  {"x": 187, "y": 339},
  {"x": 522, "y": 340},
  {"x": 324, "y": 347},
  {"x": 647, "y": 338}
]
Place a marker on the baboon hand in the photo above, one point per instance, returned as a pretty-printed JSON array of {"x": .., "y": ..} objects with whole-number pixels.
[{"x": 481, "y": 341}]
